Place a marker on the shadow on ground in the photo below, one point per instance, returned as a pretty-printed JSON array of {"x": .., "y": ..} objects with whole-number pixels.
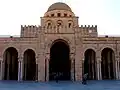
[{"x": 66, "y": 85}]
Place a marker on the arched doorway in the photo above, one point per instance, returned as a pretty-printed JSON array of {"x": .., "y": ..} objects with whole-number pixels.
[
  {"x": 107, "y": 63},
  {"x": 90, "y": 64},
  {"x": 11, "y": 64},
  {"x": 59, "y": 60},
  {"x": 29, "y": 65}
]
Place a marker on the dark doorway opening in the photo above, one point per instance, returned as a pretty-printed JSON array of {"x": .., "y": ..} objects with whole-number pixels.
[
  {"x": 107, "y": 64},
  {"x": 90, "y": 64},
  {"x": 11, "y": 64},
  {"x": 29, "y": 65},
  {"x": 59, "y": 61}
]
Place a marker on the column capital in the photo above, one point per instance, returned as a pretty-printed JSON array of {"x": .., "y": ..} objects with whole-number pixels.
[
  {"x": 72, "y": 56},
  {"x": 20, "y": 59},
  {"x": 1, "y": 59},
  {"x": 99, "y": 61},
  {"x": 37, "y": 59}
]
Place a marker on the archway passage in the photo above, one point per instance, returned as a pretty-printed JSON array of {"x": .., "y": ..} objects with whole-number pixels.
[
  {"x": 59, "y": 61},
  {"x": 29, "y": 65},
  {"x": 90, "y": 64},
  {"x": 107, "y": 64},
  {"x": 11, "y": 64}
]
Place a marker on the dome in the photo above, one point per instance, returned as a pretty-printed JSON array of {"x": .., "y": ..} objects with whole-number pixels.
[{"x": 59, "y": 6}]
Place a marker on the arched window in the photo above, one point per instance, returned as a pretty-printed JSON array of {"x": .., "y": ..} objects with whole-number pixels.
[
  {"x": 59, "y": 23},
  {"x": 49, "y": 24},
  {"x": 65, "y": 15},
  {"x": 59, "y": 14},
  {"x": 52, "y": 15},
  {"x": 70, "y": 24}
]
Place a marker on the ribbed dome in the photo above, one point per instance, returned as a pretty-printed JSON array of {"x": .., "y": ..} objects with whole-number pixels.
[{"x": 59, "y": 6}]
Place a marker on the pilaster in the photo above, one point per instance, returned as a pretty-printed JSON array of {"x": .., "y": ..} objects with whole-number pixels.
[
  {"x": 72, "y": 59},
  {"x": 41, "y": 67},
  {"x": 1, "y": 68},
  {"x": 47, "y": 59},
  {"x": 78, "y": 63}
]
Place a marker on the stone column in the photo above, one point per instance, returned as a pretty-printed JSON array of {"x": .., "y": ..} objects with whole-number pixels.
[
  {"x": 20, "y": 68},
  {"x": 117, "y": 68},
  {"x": 72, "y": 60},
  {"x": 99, "y": 76}
]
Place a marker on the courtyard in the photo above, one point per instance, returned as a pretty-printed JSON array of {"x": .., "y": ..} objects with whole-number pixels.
[{"x": 62, "y": 85}]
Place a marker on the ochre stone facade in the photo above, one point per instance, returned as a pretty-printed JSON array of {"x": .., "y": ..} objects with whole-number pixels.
[{"x": 88, "y": 53}]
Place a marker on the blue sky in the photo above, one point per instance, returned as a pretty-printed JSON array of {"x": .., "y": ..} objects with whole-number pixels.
[{"x": 103, "y": 13}]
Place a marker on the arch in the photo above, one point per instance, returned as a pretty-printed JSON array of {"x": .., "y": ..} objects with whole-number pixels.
[
  {"x": 29, "y": 65},
  {"x": 59, "y": 40},
  {"x": 3, "y": 51},
  {"x": 25, "y": 49},
  {"x": 50, "y": 42},
  {"x": 107, "y": 64},
  {"x": 91, "y": 47},
  {"x": 11, "y": 64},
  {"x": 90, "y": 64},
  {"x": 107, "y": 46},
  {"x": 59, "y": 60}
]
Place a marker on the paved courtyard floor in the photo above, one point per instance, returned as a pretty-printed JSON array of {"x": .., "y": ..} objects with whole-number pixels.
[{"x": 66, "y": 85}]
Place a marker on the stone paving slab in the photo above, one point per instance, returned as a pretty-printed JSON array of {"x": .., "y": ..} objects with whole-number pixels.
[{"x": 92, "y": 85}]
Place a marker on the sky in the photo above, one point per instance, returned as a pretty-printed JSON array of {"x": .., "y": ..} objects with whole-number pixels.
[{"x": 103, "y": 13}]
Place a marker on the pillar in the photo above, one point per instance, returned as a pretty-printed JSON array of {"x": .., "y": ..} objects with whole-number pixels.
[
  {"x": 99, "y": 76},
  {"x": 8, "y": 60},
  {"x": 72, "y": 60},
  {"x": 20, "y": 68},
  {"x": 47, "y": 59},
  {"x": 41, "y": 67},
  {"x": 78, "y": 63},
  {"x": 108, "y": 62},
  {"x": 1, "y": 68},
  {"x": 37, "y": 62},
  {"x": 117, "y": 68}
]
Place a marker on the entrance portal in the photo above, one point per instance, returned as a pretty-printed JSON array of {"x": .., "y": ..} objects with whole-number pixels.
[
  {"x": 11, "y": 64},
  {"x": 59, "y": 61}
]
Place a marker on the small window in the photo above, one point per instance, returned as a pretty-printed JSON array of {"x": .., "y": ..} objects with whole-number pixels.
[
  {"x": 52, "y": 15},
  {"x": 65, "y": 15},
  {"x": 58, "y": 14},
  {"x": 49, "y": 25},
  {"x": 69, "y": 25},
  {"x": 70, "y": 15},
  {"x": 59, "y": 24}
]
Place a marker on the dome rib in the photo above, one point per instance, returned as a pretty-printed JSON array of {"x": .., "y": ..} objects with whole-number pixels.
[{"x": 59, "y": 6}]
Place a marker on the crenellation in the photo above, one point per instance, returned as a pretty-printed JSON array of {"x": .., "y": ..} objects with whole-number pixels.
[
  {"x": 29, "y": 30},
  {"x": 89, "y": 30}
]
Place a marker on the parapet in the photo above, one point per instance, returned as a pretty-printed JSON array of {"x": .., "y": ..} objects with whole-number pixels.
[
  {"x": 89, "y": 30},
  {"x": 29, "y": 31}
]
